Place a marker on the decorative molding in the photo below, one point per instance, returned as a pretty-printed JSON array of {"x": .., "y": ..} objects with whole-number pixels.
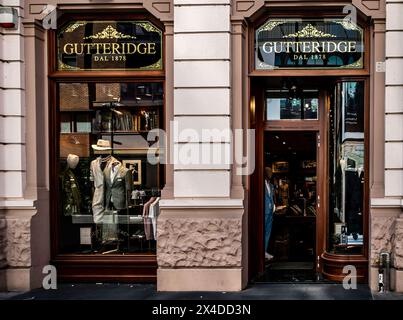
[
  {"x": 386, "y": 203},
  {"x": 371, "y": 8},
  {"x": 309, "y": 31},
  {"x": 348, "y": 25},
  {"x": 371, "y": 4},
  {"x": 110, "y": 33},
  {"x": 18, "y": 204},
  {"x": 242, "y": 9},
  {"x": 161, "y": 9},
  {"x": 354, "y": 65},
  {"x": 148, "y": 26},
  {"x": 74, "y": 26},
  {"x": 271, "y": 25},
  {"x": 242, "y": 6}
]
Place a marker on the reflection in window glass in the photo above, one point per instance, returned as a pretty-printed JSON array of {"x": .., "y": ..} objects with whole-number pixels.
[
  {"x": 311, "y": 106},
  {"x": 286, "y": 105},
  {"x": 83, "y": 123},
  {"x": 108, "y": 190},
  {"x": 65, "y": 123},
  {"x": 346, "y": 169}
]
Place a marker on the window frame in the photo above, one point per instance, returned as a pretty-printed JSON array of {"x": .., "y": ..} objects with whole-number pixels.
[{"x": 127, "y": 267}]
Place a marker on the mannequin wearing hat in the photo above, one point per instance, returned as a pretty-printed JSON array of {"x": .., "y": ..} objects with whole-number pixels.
[
  {"x": 112, "y": 182},
  {"x": 71, "y": 200}
]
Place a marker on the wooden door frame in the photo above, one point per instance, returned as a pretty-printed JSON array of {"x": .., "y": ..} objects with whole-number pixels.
[
  {"x": 334, "y": 263},
  {"x": 318, "y": 127},
  {"x": 256, "y": 225}
]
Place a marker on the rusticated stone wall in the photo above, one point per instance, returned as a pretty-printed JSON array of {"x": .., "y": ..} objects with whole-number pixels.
[
  {"x": 3, "y": 243},
  {"x": 382, "y": 233},
  {"x": 18, "y": 249},
  {"x": 398, "y": 243},
  {"x": 192, "y": 242}
]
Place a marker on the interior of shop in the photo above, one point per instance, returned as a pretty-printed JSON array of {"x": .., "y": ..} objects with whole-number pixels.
[{"x": 290, "y": 156}]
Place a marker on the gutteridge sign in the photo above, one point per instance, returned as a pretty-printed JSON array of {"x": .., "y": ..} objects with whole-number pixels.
[{"x": 299, "y": 44}]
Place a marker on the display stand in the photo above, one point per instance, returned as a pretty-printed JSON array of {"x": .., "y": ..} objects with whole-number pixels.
[{"x": 110, "y": 105}]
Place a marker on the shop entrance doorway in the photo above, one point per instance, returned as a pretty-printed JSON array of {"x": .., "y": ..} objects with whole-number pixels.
[
  {"x": 290, "y": 122},
  {"x": 290, "y": 159}
]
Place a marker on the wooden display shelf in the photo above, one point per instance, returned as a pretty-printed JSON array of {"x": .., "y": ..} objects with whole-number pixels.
[
  {"x": 120, "y": 132},
  {"x": 140, "y": 151},
  {"x": 108, "y": 219}
]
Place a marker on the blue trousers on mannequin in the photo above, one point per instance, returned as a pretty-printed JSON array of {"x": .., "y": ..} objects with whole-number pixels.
[{"x": 268, "y": 214}]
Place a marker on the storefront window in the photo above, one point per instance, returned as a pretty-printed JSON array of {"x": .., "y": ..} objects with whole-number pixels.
[
  {"x": 346, "y": 168},
  {"x": 108, "y": 190},
  {"x": 292, "y": 105}
]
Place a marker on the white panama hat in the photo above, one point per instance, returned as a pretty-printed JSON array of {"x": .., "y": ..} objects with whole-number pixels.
[{"x": 102, "y": 145}]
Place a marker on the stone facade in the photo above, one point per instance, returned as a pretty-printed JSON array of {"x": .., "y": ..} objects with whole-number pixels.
[
  {"x": 3, "y": 243},
  {"x": 382, "y": 236},
  {"x": 398, "y": 247},
  {"x": 202, "y": 230},
  {"x": 196, "y": 242},
  {"x": 18, "y": 249}
]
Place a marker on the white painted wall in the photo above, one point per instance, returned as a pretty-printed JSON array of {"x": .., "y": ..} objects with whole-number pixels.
[
  {"x": 12, "y": 109},
  {"x": 202, "y": 96},
  {"x": 394, "y": 99}
]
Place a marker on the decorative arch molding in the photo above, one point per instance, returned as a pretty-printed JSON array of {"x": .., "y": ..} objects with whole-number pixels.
[
  {"x": 161, "y": 9},
  {"x": 242, "y": 9}
]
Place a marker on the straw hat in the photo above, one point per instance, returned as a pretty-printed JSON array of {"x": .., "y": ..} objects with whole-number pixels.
[{"x": 102, "y": 145}]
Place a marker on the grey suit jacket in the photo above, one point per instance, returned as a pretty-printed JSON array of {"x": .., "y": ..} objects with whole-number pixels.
[
  {"x": 116, "y": 191},
  {"x": 97, "y": 176}
]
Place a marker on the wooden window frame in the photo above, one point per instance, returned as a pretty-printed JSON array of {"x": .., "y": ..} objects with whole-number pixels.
[{"x": 95, "y": 267}]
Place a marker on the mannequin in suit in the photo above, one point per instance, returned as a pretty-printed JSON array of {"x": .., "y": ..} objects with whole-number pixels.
[{"x": 118, "y": 185}]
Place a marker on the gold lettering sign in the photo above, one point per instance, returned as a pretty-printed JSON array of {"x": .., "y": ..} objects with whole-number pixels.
[
  {"x": 288, "y": 43},
  {"x": 109, "y": 45}
]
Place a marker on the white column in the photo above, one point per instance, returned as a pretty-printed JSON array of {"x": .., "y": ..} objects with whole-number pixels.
[
  {"x": 12, "y": 109},
  {"x": 394, "y": 99},
  {"x": 202, "y": 98}
]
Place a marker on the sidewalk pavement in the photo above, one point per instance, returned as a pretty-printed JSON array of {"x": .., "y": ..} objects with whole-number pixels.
[{"x": 136, "y": 291}]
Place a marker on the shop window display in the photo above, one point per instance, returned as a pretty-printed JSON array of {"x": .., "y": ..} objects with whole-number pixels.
[
  {"x": 109, "y": 192},
  {"x": 346, "y": 168}
]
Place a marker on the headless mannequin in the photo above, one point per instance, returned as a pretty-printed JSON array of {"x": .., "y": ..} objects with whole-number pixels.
[
  {"x": 104, "y": 161},
  {"x": 71, "y": 199}
]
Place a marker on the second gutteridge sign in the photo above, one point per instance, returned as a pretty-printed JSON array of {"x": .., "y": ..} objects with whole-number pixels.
[{"x": 300, "y": 44}]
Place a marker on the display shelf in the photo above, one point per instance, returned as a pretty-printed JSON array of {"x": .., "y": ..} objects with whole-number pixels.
[
  {"x": 76, "y": 110},
  {"x": 121, "y": 132},
  {"x": 138, "y": 151},
  {"x": 109, "y": 219}
]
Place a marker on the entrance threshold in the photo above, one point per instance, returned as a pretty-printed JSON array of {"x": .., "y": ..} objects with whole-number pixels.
[{"x": 290, "y": 272}]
